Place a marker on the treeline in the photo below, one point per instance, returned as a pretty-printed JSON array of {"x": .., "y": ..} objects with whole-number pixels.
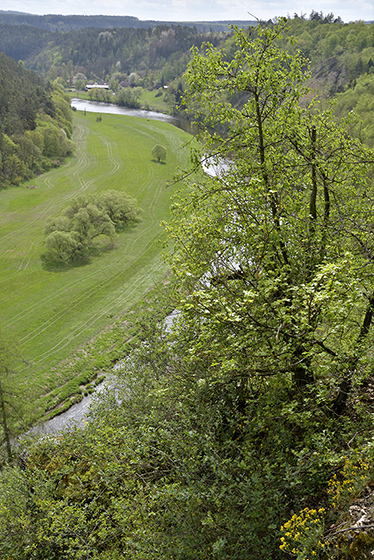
[
  {"x": 35, "y": 123},
  {"x": 155, "y": 54},
  {"x": 58, "y": 22}
]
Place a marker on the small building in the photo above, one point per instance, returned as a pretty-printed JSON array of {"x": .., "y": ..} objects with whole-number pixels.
[{"x": 97, "y": 86}]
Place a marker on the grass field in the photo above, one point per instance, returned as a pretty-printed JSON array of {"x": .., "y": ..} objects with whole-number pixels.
[
  {"x": 150, "y": 100},
  {"x": 52, "y": 312}
]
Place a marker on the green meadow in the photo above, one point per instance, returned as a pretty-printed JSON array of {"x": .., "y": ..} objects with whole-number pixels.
[{"x": 51, "y": 312}]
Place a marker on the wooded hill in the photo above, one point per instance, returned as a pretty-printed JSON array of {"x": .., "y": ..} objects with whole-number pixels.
[
  {"x": 340, "y": 54},
  {"x": 341, "y": 58},
  {"x": 141, "y": 50},
  {"x": 159, "y": 53},
  {"x": 35, "y": 123},
  {"x": 55, "y": 22}
]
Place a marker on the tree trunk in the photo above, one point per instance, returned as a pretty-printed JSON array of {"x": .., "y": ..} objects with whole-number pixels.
[
  {"x": 5, "y": 423},
  {"x": 346, "y": 383},
  {"x": 302, "y": 376}
]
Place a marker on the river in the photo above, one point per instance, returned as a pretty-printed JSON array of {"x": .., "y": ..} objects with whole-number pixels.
[
  {"x": 77, "y": 414},
  {"x": 111, "y": 108}
]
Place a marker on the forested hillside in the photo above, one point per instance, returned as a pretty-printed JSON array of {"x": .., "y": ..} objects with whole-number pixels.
[
  {"x": 339, "y": 53},
  {"x": 55, "y": 22},
  {"x": 35, "y": 123},
  {"x": 155, "y": 54},
  {"x": 320, "y": 38},
  {"x": 20, "y": 41}
]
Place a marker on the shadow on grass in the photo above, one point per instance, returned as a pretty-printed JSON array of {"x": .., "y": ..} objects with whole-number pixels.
[
  {"x": 160, "y": 162},
  {"x": 128, "y": 226},
  {"x": 52, "y": 265}
]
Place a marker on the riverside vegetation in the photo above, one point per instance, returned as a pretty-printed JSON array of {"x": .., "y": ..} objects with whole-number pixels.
[{"x": 247, "y": 431}]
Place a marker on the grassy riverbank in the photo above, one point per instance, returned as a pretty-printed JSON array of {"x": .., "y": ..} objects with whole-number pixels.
[{"x": 52, "y": 312}]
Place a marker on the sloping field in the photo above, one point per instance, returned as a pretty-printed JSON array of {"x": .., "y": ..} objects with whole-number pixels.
[{"x": 51, "y": 312}]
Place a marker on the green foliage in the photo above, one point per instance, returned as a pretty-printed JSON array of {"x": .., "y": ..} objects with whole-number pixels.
[
  {"x": 268, "y": 254},
  {"x": 152, "y": 476},
  {"x": 176, "y": 470},
  {"x": 36, "y": 126},
  {"x": 360, "y": 100},
  {"x": 69, "y": 237},
  {"x": 148, "y": 52},
  {"x": 10, "y": 409},
  {"x": 159, "y": 152},
  {"x": 171, "y": 466},
  {"x": 63, "y": 246},
  {"x": 129, "y": 97},
  {"x": 120, "y": 208},
  {"x": 272, "y": 257}
]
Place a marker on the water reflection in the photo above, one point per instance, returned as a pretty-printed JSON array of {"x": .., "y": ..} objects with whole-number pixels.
[{"x": 111, "y": 108}]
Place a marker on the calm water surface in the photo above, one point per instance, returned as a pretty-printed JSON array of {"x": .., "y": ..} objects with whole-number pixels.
[{"x": 111, "y": 108}]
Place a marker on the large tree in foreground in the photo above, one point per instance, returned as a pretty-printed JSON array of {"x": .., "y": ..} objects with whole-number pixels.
[{"x": 275, "y": 252}]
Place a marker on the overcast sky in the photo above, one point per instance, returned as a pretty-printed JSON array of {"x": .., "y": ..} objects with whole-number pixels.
[{"x": 196, "y": 10}]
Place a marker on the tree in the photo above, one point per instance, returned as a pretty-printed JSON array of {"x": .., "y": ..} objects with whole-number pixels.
[
  {"x": 8, "y": 400},
  {"x": 70, "y": 236},
  {"x": 159, "y": 152},
  {"x": 62, "y": 246},
  {"x": 274, "y": 257},
  {"x": 121, "y": 208},
  {"x": 129, "y": 97}
]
